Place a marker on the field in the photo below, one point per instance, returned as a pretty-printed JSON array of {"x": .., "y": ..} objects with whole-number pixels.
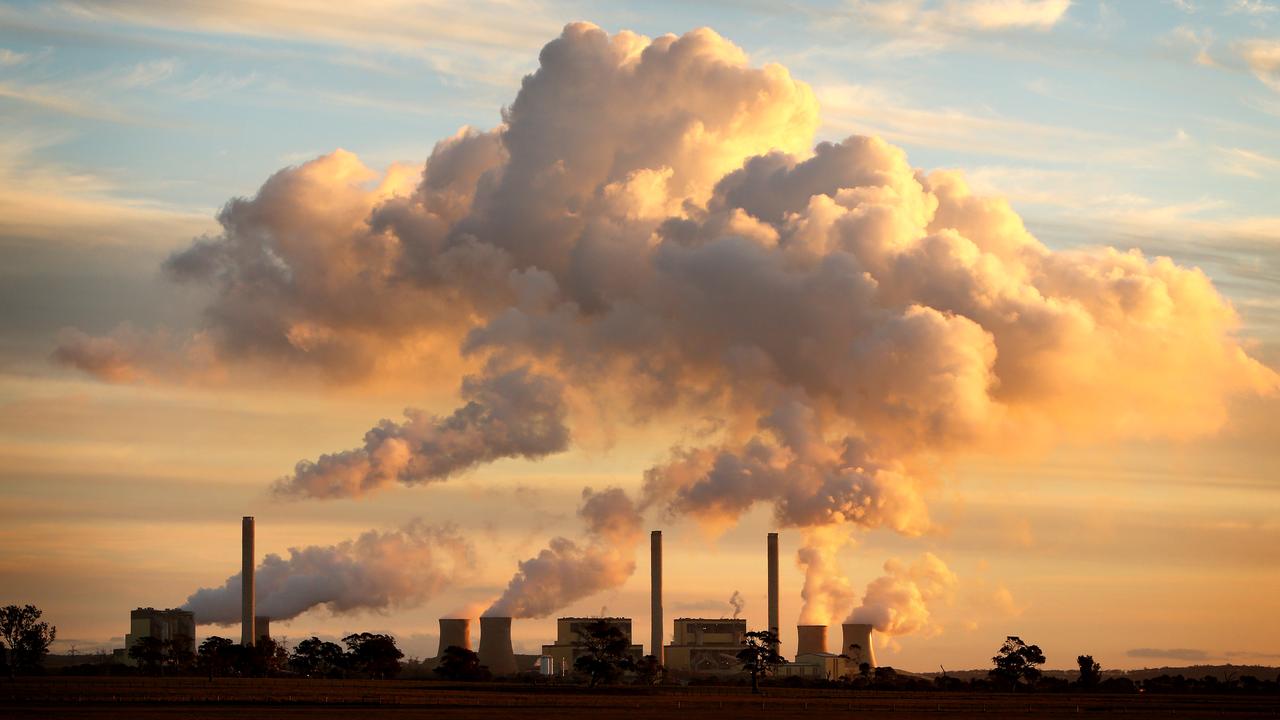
[{"x": 75, "y": 698}]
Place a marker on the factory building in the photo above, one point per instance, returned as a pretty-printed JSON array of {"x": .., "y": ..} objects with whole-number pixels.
[
  {"x": 569, "y": 645},
  {"x": 701, "y": 645},
  {"x": 172, "y": 626}
]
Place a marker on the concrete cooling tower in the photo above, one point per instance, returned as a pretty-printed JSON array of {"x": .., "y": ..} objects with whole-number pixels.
[
  {"x": 495, "y": 645},
  {"x": 454, "y": 632},
  {"x": 812, "y": 639},
  {"x": 859, "y": 635}
]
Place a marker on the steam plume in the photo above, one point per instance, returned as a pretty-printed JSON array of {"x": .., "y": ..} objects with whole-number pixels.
[
  {"x": 566, "y": 571},
  {"x": 376, "y": 571},
  {"x": 897, "y": 603},
  {"x": 651, "y": 227},
  {"x": 508, "y": 414},
  {"x": 737, "y": 603}
]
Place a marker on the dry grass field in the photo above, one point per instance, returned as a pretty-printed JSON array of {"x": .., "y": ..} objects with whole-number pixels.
[{"x": 75, "y": 698}]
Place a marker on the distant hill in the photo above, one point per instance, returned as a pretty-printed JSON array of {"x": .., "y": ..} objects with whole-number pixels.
[{"x": 1221, "y": 672}]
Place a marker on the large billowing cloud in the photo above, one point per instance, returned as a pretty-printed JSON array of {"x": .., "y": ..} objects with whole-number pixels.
[
  {"x": 376, "y": 571},
  {"x": 651, "y": 233}
]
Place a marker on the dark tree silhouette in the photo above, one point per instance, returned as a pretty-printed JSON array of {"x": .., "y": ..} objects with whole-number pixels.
[
  {"x": 759, "y": 655},
  {"x": 217, "y": 655},
  {"x": 1017, "y": 663},
  {"x": 375, "y": 655},
  {"x": 1090, "y": 671},
  {"x": 26, "y": 640},
  {"x": 316, "y": 658},
  {"x": 605, "y": 649},
  {"x": 648, "y": 670},
  {"x": 459, "y": 663},
  {"x": 149, "y": 653}
]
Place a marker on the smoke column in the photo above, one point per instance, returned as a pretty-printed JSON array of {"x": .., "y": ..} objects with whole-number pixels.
[
  {"x": 376, "y": 571},
  {"x": 566, "y": 571}
]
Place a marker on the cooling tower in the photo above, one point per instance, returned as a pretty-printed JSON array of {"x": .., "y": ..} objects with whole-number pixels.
[
  {"x": 495, "y": 645},
  {"x": 812, "y": 639},
  {"x": 262, "y": 627},
  {"x": 454, "y": 632},
  {"x": 774, "y": 627},
  {"x": 858, "y": 634},
  {"x": 247, "y": 635},
  {"x": 655, "y": 610}
]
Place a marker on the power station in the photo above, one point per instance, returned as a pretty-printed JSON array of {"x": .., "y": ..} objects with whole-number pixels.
[{"x": 705, "y": 646}]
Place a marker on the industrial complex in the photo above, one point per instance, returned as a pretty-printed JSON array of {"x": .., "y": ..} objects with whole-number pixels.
[{"x": 698, "y": 646}]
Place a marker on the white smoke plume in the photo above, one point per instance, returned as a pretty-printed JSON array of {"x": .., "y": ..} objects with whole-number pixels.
[
  {"x": 651, "y": 227},
  {"x": 508, "y": 414},
  {"x": 566, "y": 571},
  {"x": 826, "y": 593},
  {"x": 737, "y": 603},
  {"x": 897, "y": 603},
  {"x": 377, "y": 571}
]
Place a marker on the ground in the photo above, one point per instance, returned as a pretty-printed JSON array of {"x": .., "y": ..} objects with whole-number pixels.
[{"x": 93, "y": 698}]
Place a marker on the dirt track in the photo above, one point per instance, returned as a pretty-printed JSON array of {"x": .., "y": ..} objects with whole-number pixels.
[{"x": 75, "y": 698}]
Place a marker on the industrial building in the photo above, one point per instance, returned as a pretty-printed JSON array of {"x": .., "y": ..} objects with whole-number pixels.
[
  {"x": 172, "y": 626},
  {"x": 710, "y": 646},
  {"x": 569, "y": 645}
]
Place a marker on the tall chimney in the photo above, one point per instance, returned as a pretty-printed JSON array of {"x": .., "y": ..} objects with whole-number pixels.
[
  {"x": 773, "y": 583},
  {"x": 858, "y": 634},
  {"x": 811, "y": 639},
  {"x": 655, "y": 610},
  {"x": 495, "y": 645},
  {"x": 247, "y": 636},
  {"x": 454, "y": 632}
]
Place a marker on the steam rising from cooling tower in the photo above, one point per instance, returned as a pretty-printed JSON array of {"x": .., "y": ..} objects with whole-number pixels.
[
  {"x": 376, "y": 571},
  {"x": 897, "y": 603},
  {"x": 650, "y": 235},
  {"x": 566, "y": 571}
]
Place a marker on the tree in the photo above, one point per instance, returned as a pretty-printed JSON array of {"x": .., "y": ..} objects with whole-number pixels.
[
  {"x": 648, "y": 670},
  {"x": 317, "y": 658},
  {"x": 216, "y": 655},
  {"x": 26, "y": 641},
  {"x": 1090, "y": 671},
  {"x": 759, "y": 655},
  {"x": 375, "y": 655},
  {"x": 148, "y": 652},
  {"x": 605, "y": 652},
  {"x": 1017, "y": 662},
  {"x": 459, "y": 663},
  {"x": 177, "y": 653}
]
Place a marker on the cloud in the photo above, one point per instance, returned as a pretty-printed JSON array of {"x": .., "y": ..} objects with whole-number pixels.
[
  {"x": 375, "y": 572},
  {"x": 1252, "y": 7},
  {"x": 9, "y": 58},
  {"x": 1188, "y": 654},
  {"x": 651, "y": 236},
  {"x": 962, "y": 15},
  {"x": 1263, "y": 58}
]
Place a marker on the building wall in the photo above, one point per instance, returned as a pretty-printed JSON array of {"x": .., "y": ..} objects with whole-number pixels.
[{"x": 706, "y": 646}]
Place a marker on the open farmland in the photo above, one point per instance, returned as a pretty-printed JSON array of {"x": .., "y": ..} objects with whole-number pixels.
[{"x": 74, "y": 698}]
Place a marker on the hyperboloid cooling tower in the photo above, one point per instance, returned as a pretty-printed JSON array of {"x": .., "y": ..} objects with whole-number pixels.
[
  {"x": 811, "y": 639},
  {"x": 495, "y": 645},
  {"x": 857, "y": 644},
  {"x": 454, "y": 632}
]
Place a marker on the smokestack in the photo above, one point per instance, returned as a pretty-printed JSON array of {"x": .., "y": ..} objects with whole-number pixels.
[
  {"x": 655, "y": 610},
  {"x": 454, "y": 632},
  {"x": 773, "y": 583},
  {"x": 247, "y": 636},
  {"x": 495, "y": 645},
  {"x": 858, "y": 634},
  {"x": 812, "y": 639}
]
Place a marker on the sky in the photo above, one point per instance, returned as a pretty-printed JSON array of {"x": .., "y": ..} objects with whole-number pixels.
[{"x": 1064, "y": 443}]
